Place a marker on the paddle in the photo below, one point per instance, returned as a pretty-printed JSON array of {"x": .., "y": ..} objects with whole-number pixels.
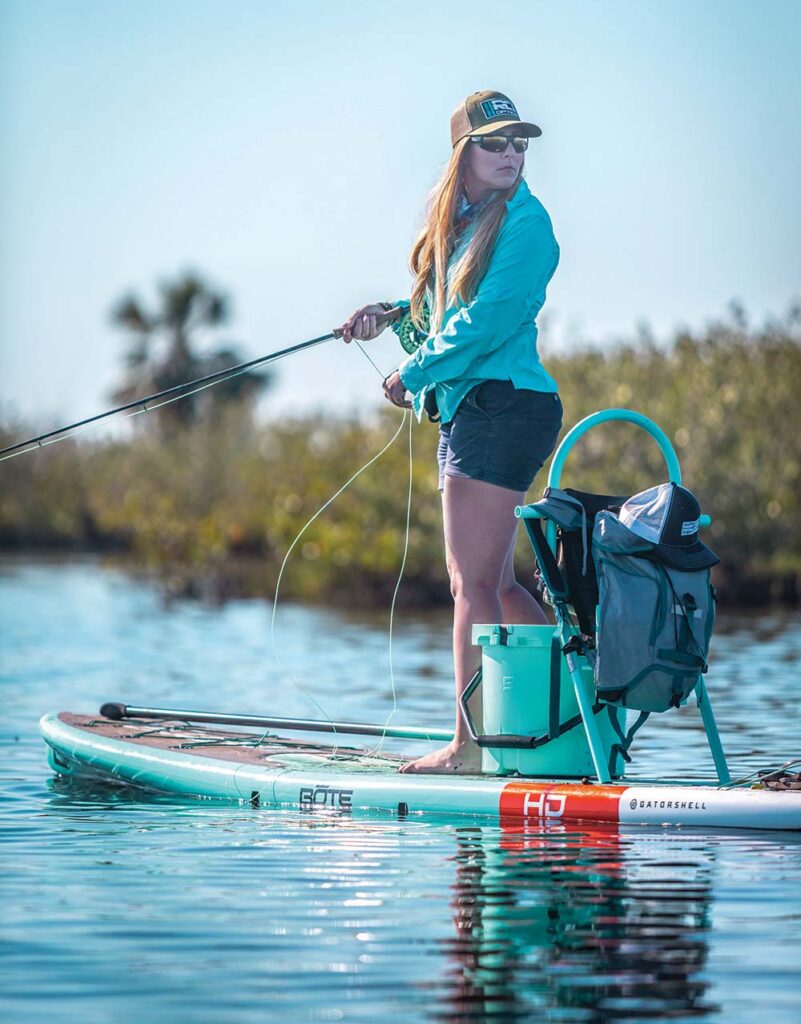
[{"x": 118, "y": 712}]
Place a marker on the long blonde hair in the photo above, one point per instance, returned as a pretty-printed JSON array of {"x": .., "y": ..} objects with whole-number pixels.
[{"x": 435, "y": 243}]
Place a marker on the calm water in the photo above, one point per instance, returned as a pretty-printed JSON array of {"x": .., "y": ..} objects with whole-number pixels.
[{"x": 116, "y": 907}]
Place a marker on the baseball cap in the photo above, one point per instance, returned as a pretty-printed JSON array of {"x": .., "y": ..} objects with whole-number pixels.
[
  {"x": 483, "y": 113},
  {"x": 669, "y": 516}
]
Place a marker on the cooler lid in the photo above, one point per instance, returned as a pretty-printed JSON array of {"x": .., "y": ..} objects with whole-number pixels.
[{"x": 514, "y": 635}]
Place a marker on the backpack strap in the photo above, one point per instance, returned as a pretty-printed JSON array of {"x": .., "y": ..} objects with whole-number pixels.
[
  {"x": 622, "y": 748},
  {"x": 554, "y": 580}
]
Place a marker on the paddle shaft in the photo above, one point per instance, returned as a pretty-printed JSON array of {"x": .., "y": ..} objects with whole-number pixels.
[{"x": 120, "y": 711}]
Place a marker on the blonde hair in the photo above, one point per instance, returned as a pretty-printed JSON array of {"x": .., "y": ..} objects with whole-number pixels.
[{"x": 435, "y": 243}]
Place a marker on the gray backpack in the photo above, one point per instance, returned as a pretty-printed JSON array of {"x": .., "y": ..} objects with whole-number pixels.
[{"x": 654, "y": 625}]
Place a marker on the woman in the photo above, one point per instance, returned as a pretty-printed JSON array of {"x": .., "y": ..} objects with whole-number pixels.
[{"x": 481, "y": 263}]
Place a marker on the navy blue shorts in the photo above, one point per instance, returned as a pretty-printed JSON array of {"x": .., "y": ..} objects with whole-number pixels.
[{"x": 500, "y": 434}]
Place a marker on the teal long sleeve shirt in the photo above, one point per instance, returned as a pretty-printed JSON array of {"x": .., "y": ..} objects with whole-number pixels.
[{"x": 494, "y": 336}]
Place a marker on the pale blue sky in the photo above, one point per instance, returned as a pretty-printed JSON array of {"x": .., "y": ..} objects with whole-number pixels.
[{"x": 285, "y": 151}]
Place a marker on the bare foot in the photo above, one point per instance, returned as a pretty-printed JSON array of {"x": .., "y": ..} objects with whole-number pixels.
[{"x": 455, "y": 759}]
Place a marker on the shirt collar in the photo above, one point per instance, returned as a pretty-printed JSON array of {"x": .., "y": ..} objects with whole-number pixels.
[
  {"x": 521, "y": 195},
  {"x": 469, "y": 210}
]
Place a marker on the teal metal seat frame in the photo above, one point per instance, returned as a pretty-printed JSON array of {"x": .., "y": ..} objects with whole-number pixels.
[{"x": 566, "y": 627}]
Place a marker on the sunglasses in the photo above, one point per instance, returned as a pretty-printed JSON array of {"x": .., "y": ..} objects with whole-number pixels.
[{"x": 498, "y": 143}]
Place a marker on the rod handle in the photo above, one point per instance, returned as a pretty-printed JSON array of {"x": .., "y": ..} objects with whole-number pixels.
[{"x": 382, "y": 319}]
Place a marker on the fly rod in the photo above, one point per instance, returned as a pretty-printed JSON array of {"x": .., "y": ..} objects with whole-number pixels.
[
  {"x": 177, "y": 390},
  {"x": 117, "y": 712}
]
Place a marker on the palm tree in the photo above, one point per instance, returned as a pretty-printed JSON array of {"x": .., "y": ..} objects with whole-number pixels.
[{"x": 160, "y": 353}]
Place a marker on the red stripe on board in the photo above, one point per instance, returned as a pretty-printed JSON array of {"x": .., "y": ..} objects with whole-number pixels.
[{"x": 559, "y": 801}]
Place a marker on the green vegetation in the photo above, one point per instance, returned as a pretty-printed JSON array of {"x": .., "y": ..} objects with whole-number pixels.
[
  {"x": 160, "y": 353},
  {"x": 212, "y": 505}
]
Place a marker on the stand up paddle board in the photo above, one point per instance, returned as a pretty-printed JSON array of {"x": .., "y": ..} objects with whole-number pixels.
[{"x": 270, "y": 771}]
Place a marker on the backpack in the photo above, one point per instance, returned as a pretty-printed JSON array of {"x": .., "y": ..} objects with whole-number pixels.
[{"x": 654, "y": 625}]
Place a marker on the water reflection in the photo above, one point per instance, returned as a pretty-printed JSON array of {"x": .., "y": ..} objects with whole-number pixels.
[
  {"x": 587, "y": 921},
  {"x": 431, "y": 919},
  {"x": 583, "y": 924}
]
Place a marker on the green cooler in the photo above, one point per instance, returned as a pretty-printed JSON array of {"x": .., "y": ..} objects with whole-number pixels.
[{"x": 516, "y": 684}]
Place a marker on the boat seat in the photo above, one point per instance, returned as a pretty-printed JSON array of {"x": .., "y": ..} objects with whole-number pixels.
[
  {"x": 568, "y": 577},
  {"x": 560, "y": 529}
]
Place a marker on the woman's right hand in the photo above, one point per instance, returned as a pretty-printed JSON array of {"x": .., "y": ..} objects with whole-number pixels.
[{"x": 361, "y": 325}]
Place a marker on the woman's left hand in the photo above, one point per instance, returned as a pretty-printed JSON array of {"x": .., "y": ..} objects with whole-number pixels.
[{"x": 395, "y": 391}]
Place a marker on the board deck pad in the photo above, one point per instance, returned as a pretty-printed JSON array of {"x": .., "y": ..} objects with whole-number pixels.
[{"x": 259, "y": 748}]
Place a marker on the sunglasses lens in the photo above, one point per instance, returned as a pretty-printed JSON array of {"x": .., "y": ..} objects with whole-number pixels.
[{"x": 498, "y": 143}]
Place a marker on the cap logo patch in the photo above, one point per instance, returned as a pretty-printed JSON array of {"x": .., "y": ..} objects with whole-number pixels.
[
  {"x": 690, "y": 527},
  {"x": 499, "y": 108}
]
